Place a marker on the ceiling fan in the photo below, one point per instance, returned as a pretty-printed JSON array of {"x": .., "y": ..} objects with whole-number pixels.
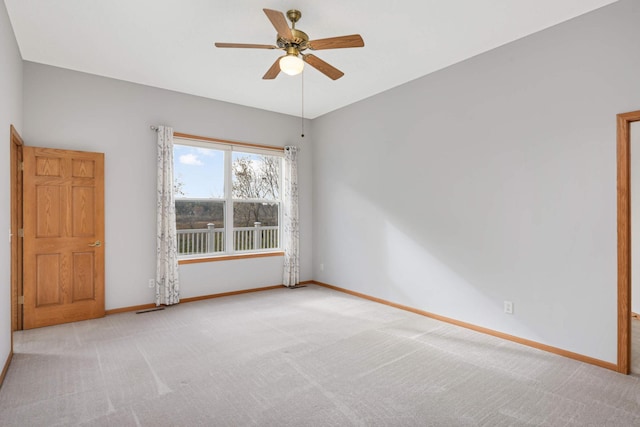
[{"x": 294, "y": 42}]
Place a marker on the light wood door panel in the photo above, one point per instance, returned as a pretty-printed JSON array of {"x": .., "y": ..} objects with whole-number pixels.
[{"x": 63, "y": 223}]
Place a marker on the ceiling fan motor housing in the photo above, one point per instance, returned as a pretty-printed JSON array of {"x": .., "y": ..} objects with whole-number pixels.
[{"x": 299, "y": 41}]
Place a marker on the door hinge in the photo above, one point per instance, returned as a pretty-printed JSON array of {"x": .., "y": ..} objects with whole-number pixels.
[
  {"x": 21, "y": 299},
  {"x": 21, "y": 166},
  {"x": 20, "y": 232}
]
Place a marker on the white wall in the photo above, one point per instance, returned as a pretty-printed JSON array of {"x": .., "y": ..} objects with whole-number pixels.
[
  {"x": 635, "y": 217},
  {"x": 10, "y": 114},
  {"x": 72, "y": 110},
  {"x": 491, "y": 180}
]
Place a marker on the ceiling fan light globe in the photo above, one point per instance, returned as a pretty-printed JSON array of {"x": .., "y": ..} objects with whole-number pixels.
[{"x": 291, "y": 65}]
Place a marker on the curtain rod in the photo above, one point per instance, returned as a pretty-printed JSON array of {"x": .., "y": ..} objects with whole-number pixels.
[{"x": 222, "y": 141}]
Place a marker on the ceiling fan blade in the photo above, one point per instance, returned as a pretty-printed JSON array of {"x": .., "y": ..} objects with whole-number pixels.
[
  {"x": 353, "y": 40},
  {"x": 279, "y": 22},
  {"x": 328, "y": 70},
  {"x": 273, "y": 72},
  {"x": 247, "y": 46}
]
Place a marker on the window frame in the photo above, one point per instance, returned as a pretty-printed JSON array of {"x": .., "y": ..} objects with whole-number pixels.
[{"x": 228, "y": 148}]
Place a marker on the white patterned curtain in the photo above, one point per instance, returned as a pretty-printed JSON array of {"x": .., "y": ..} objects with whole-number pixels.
[
  {"x": 290, "y": 226},
  {"x": 167, "y": 283}
]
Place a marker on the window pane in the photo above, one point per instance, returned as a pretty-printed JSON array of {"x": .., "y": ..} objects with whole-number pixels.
[
  {"x": 211, "y": 220},
  {"x": 256, "y": 176},
  {"x": 200, "y": 225},
  {"x": 255, "y": 226},
  {"x": 198, "y": 172}
]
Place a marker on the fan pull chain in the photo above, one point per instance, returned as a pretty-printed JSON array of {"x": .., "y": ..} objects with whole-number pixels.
[{"x": 302, "y": 105}]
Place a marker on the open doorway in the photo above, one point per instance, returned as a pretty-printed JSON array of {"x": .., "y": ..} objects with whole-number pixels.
[
  {"x": 57, "y": 264},
  {"x": 625, "y": 262}
]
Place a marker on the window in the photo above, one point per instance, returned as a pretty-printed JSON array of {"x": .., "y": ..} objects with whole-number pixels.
[{"x": 228, "y": 198}]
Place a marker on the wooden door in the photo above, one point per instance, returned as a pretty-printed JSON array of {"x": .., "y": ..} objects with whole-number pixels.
[{"x": 63, "y": 236}]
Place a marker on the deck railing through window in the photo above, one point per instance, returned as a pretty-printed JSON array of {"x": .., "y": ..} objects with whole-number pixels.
[{"x": 211, "y": 240}]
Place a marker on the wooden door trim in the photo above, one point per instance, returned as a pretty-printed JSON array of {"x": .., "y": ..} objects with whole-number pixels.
[
  {"x": 624, "y": 237},
  {"x": 16, "y": 144}
]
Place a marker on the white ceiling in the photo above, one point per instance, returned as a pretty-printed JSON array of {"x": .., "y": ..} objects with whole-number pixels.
[{"x": 169, "y": 43}]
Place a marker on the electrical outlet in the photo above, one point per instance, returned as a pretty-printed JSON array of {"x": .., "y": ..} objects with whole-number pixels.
[
  {"x": 321, "y": 267},
  {"x": 508, "y": 307},
  {"x": 152, "y": 283}
]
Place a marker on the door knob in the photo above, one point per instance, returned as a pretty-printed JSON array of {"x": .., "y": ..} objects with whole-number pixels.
[{"x": 97, "y": 244}]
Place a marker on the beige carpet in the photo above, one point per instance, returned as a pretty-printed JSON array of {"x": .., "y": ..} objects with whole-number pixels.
[{"x": 303, "y": 357}]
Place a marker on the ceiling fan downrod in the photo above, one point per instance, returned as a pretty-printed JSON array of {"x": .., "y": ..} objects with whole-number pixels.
[{"x": 294, "y": 16}]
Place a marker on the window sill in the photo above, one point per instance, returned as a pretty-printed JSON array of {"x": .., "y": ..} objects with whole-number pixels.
[{"x": 229, "y": 257}]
